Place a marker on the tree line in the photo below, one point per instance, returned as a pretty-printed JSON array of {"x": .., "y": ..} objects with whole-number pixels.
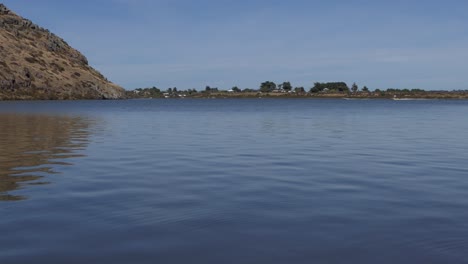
[{"x": 272, "y": 87}]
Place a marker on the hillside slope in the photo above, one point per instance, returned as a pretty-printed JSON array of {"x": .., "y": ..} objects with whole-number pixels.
[{"x": 37, "y": 64}]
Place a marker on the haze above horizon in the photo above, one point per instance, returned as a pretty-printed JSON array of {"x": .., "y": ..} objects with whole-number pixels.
[{"x": 191, "y": 44}]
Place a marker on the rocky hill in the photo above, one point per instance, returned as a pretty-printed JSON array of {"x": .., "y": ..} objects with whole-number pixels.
[{"x": 37, "y": 64}]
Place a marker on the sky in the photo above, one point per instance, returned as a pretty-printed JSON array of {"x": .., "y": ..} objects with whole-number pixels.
[{"x": 224, "y": 43}]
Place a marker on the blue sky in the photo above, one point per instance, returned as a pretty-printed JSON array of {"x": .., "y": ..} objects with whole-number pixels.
[{"x": 191, "y": 44}]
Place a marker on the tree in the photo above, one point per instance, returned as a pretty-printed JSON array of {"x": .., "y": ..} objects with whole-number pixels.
[
  {"x": 192, "y": 91},
  {"x": 208, "y": 88},
  {"x": 267, "y": 86},
  {"x": 287, "y": 86},
  {"x": 365, "y": 89},
  {"x": 154, "y": 91},
  {"x": 314, "y": 90},
  {"x": 236, "y": 89},
  {"x": 299, "y": 90},
  {"x": 354, "y": 88},
  {"x": 332, "y": 86},
  {"x": 417, "y": 90}
]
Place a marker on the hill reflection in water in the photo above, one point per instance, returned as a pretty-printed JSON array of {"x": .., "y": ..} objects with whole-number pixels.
[{"x": 34, "y": 146}]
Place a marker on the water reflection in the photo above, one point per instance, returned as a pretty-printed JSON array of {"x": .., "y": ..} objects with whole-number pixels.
[{"x": 33, "y": 146}]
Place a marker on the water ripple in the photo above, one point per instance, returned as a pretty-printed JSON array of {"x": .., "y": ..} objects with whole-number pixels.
[{"x": 223, "y": 181}]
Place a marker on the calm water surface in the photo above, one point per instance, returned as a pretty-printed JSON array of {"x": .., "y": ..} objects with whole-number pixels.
[{"x": 234, "y": 181}]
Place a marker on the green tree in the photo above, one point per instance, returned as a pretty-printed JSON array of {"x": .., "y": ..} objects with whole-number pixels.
[
  {"x": 299, "y": 90},
  {"x": 354, "y": 88},
  {"x": 314, "y": 89},
  {"x": 154, "y": 92},
  {"x": 236, "y": 89},
  {"x": 379, "y": 92},
  {"x": 365, "y": 89},
  {"x": 287, "y": 86},
  {"x": 332, "y": 86},
  {"x": 417, "y": 90},
  {"x": 267, "y": 86}
]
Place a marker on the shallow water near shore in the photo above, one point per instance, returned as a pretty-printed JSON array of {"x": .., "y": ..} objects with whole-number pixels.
[{"x": 234, "y": 181}]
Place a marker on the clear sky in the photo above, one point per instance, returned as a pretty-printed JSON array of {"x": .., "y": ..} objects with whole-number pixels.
[{"x": 222, "y": 43}]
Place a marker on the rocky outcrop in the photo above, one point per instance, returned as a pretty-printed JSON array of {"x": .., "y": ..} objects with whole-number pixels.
[{"x": 37, "y": 64}]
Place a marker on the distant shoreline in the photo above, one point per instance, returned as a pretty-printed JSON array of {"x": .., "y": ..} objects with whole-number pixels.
[
  {"x": 328, "y": 90},
  {"x": 356, "y": 96},
  {"x": 265, "y": 96},
  {"x": 360, "y": 95}
]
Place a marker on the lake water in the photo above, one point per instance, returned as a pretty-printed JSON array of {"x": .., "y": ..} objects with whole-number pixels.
[{"x": 234, "y": 181}]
